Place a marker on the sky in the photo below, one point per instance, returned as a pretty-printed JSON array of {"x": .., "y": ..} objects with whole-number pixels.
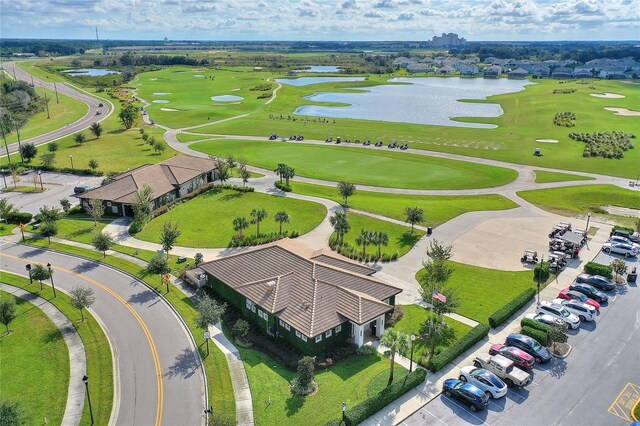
[{"x": 321, "y": 19}]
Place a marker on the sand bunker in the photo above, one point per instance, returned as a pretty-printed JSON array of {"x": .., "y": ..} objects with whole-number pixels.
[
  {"x": 547, "y": 140},
  {"x": 160, "y": 101},
  {"x": 623, "y": 111},
  {"x": 160, "y": 93},
  {"x": 169, "y": 109},
  {"x": 234, "y": 90},
  {"x": 152, "y": 79},
  {"x": 199, "y": 75},
  {"x": 607, "y": 95}
]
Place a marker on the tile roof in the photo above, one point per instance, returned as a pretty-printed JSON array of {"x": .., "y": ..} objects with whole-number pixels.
[{"x": 313, "y": 291}]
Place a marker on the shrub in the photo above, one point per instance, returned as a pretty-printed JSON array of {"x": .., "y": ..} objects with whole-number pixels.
[
  {"x": 539, "y": 335},
  {"x": 526, "y": 322},
  {"x": 375, "y": 403},
  {"x": 240, "y": 329},
  {"x": 594, "y": 268},
  {"x": 542, "y": 271},
  {"x": 283, "y": 186},
  {"x": 306, "y": 371},
  {"x": 396, "y": 315},
  {"x": 504, "y": 313},
  {"x": 623, "y": 228},
  {"x": 476, "y": 334},
  {"x": 19, "y": 217},
  {"x": 605, "y": 144},
  {"x": 252, "y": 240}
]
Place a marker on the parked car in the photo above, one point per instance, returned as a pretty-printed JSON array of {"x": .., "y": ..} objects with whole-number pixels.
[
  {"x": 598, "y": 281},
  {"x": 582, "y": 310},
  {"x": 82, "y": 189},
  {"x": 623, "y": 240},
  {"x": 547, "y": 319},
  {"x": 634, "y": 237},
  {"x": 484, "y": 380},
  {"x": 559, "y": 312},
  {"x": 568, "y": 294},
  {"x": 618, "y": 248},
  {"x": 590, "y": 291},
  {"x": 503, "y": 368},
  {"x": 465, "y": 392},
  {"x": 530, "y": 346},
  {"x": 520, "y": 358}
]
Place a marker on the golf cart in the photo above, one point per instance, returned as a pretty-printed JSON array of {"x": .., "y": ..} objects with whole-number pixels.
[
  {"x": 379, "y": 144},
  {"x": 293, "y": 137},
  {"x": 273, "y": 136},
  {"x": 529, "y": 256},
  {"x": 366, "y": 143},
  {"x": 300, "y": 138},
  {"x": 329, "y": 139},
  {"x": 393, "y": 144}
]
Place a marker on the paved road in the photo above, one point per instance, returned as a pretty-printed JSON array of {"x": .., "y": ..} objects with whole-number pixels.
[
  {"x": 160, "y": 379},
  {"x": 89, "y": 118}
]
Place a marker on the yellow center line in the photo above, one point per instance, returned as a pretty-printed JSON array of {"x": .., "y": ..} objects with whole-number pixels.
[{"x": 145, "y": 329}]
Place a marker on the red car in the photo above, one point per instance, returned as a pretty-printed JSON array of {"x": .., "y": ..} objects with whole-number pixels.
[
  {"x": 574, "y": 295},
  {"x": 519, "y": 357}
]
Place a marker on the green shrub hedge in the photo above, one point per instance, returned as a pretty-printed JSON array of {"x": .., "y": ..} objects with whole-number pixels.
[
  {"x": 18, "y": 217},
  {"x": 539, "y": 335},
  {"x": 377, "y": 402},
  {"x": 542, "y": 271},
  {"x": 474, "y": 335},
  {"x": 504, "y": 313},
  {"x": 283, "y": 186},
  {"x": 623, "y": 228},
  {"x": 594, "y": 268},
  {"x": 526, "y": 322}
]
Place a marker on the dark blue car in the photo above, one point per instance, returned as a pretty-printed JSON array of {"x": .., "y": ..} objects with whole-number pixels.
[
  {"x": 590, "y": 291},
  {"x": 530, "y": 346},
  {"x": 467, "y": 393}
]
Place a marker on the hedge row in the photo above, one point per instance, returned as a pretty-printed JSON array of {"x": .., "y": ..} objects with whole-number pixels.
[
  {"x": 623, "y": 228},
  {"x": 283, "y": 186},
  {"x": 504, "y": 313},
  {"x": 252, "y": 240},
  {"x": 526, "y": 322},
  {"x": 476, "y": 334},
  {"x": 69, "y": 170},
  {"x": 18, "y": 217},
  {"x": 594, "y": 268},
  {"x": 539, "y": 335},
  {"x": 377, "y": 402}
]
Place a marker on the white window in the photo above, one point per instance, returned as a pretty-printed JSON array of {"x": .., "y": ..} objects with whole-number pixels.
[
  {"x": 318, "y": 338},
  {"x": 251, "y": 306},
  {"x": 338, "y": 329},
  {"x": 263, "y": 315},
  {"x": 108, "y": 203},
  {"x": 281, "y": 323},
  {"x": 304, "y": 338},
  {"x": 328, "y": 333},
  {"x": 298, "y": 334},
  {"x": 286, "y": 326}
]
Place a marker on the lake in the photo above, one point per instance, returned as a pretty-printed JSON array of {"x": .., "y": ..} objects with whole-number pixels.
[
  {"x": 91, "y": 72},
  {"x": 307, "y": 81},
  {"x": 320, "y": 68},
  {"x": 426, "y": 100}
]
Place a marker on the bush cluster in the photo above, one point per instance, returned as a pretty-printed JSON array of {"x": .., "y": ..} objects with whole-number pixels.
[
  {"x": 396, "y": 315},
  {"x": 69, "y": 170},
  {"x": 565, "y": 119},
  {"x": 605, "y": 144},
  {"x": 542, "y": 271},
  {"x": 526, "y": 322},
  {"x": 537, "y": 334},
  {"x": 354, "y": 253},
  {"x": 283, "y": 186},
  {"x": 252, "y": 240},
  {"x": 474, "y": 335},
  {"x": 507, "y": 311},
  {"x": 563, "y": 91},
  {"x": 263, "y": 96},
  {"x": 18, "y": 217},
  {"x": 594, "y": 268},
  {"x": 623, "y": 228}
]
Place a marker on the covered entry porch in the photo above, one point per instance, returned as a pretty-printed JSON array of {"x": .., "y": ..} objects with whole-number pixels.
[{"x": 369, "y": 331}]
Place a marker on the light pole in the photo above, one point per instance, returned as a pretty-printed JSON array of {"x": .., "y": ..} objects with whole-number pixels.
[
  {"x": 51, "y": 278},
  {"x": 587, "y": 230},
  {"x": 29, "y": 272},
  {"x": 413, "y": 341},
  {"x": 85, "y": 379},
  {"x": 40, "y": 179},
  {"x": 71, "y": 158},
  {"x": 344, "y": 416},
  {"x": 540, "y": 273}
]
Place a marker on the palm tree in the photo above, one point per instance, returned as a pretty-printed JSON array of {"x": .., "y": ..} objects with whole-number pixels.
[
  {"x": 394, "y": 341},
  {"x": 340, "y": 224},
  {"x": 282, "y": 217},
  {"x": 363, "y": 240},
  {"x": 280, "y": 170},
  {"x": 258, "y": 216},
  {"x": 289, "y": 173},
  {"x": 240, "y": 224},
  {"x": 414, "y": 215},
  {"x": 435, "y": 328},
  {"x": 382, "y": 239}
]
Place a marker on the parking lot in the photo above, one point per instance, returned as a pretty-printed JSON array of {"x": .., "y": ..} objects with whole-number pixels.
[{"x": 597, "y": 384}]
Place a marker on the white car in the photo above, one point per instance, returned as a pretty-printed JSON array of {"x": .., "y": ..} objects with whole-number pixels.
[
  {"x": 622, "y": 240},
  {"x": 484, "y": 380},
  {"x": 620, "y": 248},
  {"x": 546, "y": 319},
  {"x": 559, "y": 312},
  {"x": 582, "y": 310}
]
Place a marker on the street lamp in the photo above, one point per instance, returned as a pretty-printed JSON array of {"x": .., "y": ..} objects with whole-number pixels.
[
  {"x": 540, "y": 273},
  {"x": 40, "y": 179},
  {"x": 51, "y": 278},
  {"x": 413, "y": 341},
  {"x": 29, "y": 271},
  {"x": 71, "y": 158},
  {"x": 344, "y": 409},
  {"x": 85, "y": 379}
]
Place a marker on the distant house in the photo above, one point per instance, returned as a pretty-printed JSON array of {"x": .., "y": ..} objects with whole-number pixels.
[
  {"x": 403, "y": 62},
  {"x": 582, "y": 72},
  {"x": 612, "y": 71},
  {"x": 292, "y": 73},
  {"x": 492, "y": 71},
  {"x": 540, "y": 71},
  {"x": 467, "y": 69},
  {"x": 446, "y": 70},
  {"x": 312, "y": 299},
  {"x": 24, "y": 55},
  {"x": 562, "y": 72},
  {"x": 414, "y": 68},
  {"x": 170, "y": 179},
  {"x": 631, "y": 74},
  {"x": 518, "y": 73}
]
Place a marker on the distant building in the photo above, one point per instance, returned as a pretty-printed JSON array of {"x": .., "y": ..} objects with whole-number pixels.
[
  {"x": 518, "y": 73},
  {"x": 492, "y": 72},
  {"x": 562, "y": 72},
  {"x": 24, "y": 55},
  {"x": 414, "y": 68},
  {"x": 448, "y": 40},
  {"x": 540, "y": 71},
  {"x": 403, "y": 62},
  {"x": 467, "y": 69},
  {"x": 446, "y": 70}
]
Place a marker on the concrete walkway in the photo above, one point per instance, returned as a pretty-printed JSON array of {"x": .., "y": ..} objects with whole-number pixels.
[{"x": 77, "y": 357}]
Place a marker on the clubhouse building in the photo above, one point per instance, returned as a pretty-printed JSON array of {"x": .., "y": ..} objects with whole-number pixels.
[{"x": 313, "y": 299}]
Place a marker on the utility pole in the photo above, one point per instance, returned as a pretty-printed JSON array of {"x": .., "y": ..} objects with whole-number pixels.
[
  {"x": 6, "y": 146},
  {"x": 19, "y": 144},
  {"x": 56, "y": 89},
  {"x": 46, "y": 103},
  {"x": 32, "y": 85}
]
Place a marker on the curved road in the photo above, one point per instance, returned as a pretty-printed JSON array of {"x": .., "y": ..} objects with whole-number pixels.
[
  {"x": 89, "y": 118},
  {"x": 157, "y": 366}
]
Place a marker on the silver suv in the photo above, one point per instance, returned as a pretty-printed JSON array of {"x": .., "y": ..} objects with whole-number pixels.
[{"x": 560, "y": 312}]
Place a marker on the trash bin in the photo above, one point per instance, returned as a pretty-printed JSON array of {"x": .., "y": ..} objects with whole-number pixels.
[
  {"x": 631, "y": 278},
  {"x": 429, "y": 230}
]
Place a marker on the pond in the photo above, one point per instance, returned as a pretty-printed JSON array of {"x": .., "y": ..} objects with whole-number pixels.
[
  {"x": 429, "y": 100},
  {"x": 226, "y": 98},
  {"x": 320, "y": 68},
  {"x": 91, "y": 72},
  {"x": 307, "y": 81}
]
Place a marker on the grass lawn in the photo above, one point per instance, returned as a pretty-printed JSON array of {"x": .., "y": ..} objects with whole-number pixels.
[
  {"x": 25, "y": 189},
  {"x": 483, "y": 291},
  {"x": 438, "y": 208},
  {"x": 76, "y": 228},
  {"x": 364, "y": 166},
  {"x": 400, "y": 239},
  {"x": 5, "y": 228},
  {"x": 350, "y": 381},
  {"x": 35, "y": 370},
  {"x": 206, "y": 221},
  {"x": 35, "y": 68},
  {"x": 545, "y": 177},
  {"x": 411, "y": 323},
  {"x": 96, "y": 346}
]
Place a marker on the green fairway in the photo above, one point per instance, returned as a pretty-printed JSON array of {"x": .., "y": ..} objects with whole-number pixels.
[
  {"x": 35, "y": 366},
  {"x": 363, "y": 166},
  {"x": 400, "y": 239},
  {"x": 483, "y": 291},
  {"x": 350, "y": 381},
  {"x": 411, "y": 323},
  {"x": 546, "y": 177},
  {"x": 438, "y": 209},
  {"x": 206, "y": 221}
]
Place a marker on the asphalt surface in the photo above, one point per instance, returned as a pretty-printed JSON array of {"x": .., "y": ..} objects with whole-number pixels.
[
  {"x": 160, "y": 378},
  {"x": 89, "y": 118},
  {"x": 596, "y": 384}
]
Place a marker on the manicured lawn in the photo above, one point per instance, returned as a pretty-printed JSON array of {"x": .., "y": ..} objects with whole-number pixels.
[
  {"x": 411, "y": 323},
  {"x": 483, "y": 291},
  {"x": 350, "y": 381},
  {"x": 545, "y": 177},
  {"x": 400, "y": 239},
  {"x": 78, "y": 228},
  {"x": 364, "y": 166},
  {"x": 438, "y": 209},
  {"x": 35, "y": 366},
  {"x": 25, "y": 189},
  {"x": 206, "y": 221},
  {"x": 5, "y": 228},
  {"x": 96, "y": 346}
]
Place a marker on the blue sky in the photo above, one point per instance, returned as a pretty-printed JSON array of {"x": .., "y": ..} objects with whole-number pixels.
[{"x": 321, "y": 19}]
